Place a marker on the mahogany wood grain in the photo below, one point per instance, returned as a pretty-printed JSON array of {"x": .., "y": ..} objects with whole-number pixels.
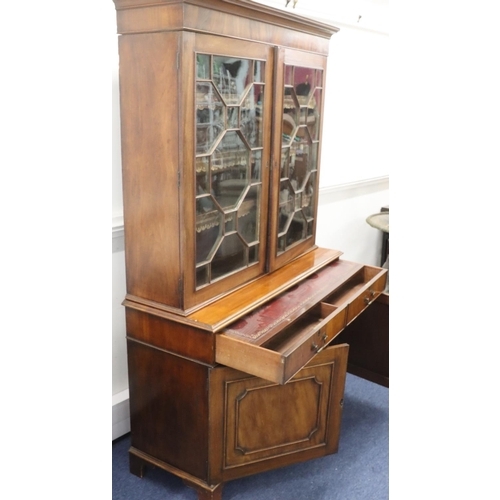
[
  {"x": 177, "y": 338},
  {"x": 360, "y": 291},
  {"x": 224, "y": 311},
  {"x": 206, "y": 492},
  {"x": 239, "y": 302},
  {"x": 239, "y": 19},
  {"x": 149, "y": 163},
  {"x": 294, "y": 422},
  {"x": 169, "y": 408},
  {"x": 140, "y": 462}
]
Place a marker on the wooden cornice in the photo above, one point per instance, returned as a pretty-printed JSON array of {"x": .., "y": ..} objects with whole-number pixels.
[{"x": 160, "y": 15}]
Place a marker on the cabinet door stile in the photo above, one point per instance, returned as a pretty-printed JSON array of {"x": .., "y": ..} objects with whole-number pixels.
[{"x": 186, "y": 191}]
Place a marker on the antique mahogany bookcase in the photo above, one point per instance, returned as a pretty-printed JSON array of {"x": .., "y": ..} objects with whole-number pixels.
[{"x": 231, "y": 308}]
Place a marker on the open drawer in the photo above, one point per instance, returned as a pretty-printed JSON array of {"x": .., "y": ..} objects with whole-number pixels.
[{"x": 276, "y": 340}]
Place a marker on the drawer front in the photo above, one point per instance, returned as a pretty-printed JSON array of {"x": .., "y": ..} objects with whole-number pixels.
[
  {"x": 298, "y": 339},
  {"x": 320, "y": 336},
  {"x": 280, "y": 359},
  {"x": 366, "y": 296}
]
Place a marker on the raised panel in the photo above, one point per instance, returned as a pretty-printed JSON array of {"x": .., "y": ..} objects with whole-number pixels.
[
  {"x": 256, "y": 424},
  {"x": 290, "y": 417}
]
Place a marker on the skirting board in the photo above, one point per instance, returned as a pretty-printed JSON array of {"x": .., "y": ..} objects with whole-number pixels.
[{"x": 121, "y": 414}]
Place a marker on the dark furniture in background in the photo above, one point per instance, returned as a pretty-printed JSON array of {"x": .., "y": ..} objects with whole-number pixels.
[{"x": 368, "y": 339}]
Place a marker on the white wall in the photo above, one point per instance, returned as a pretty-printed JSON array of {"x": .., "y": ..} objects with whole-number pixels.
[{"x": 354, "y": 171}]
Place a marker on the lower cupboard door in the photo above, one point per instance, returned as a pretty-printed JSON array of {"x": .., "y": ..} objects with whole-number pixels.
[{"x": 257, "y": 425}]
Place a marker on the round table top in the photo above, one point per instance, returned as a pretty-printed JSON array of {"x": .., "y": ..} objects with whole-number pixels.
[{"x": 379, "y": 221}]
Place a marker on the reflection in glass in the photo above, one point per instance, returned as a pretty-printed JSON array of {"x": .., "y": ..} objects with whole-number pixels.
[
  {"x": 248, "y": 221},
  {"x": 256, "y": 166},
  {"x": 233, "y": 119},
  {"x": 231, "y": 77},
  {"x": 202, "y": 175},
  {"x": 313, "y": 115},
  {"x": 208, "y": 227},
  {"x": 299, "y": 154},
  {"x": 202, "y": 67},
  {"x": 210, "y": 116},
  {"x": 250, "y": 116},
  {"x": 229, "y": 142},
  {"x": 230, "y": 170},
  {"x": 230, "y": 255}
]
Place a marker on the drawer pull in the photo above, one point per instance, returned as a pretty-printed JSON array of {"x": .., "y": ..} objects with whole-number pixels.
[
  {"x": 370, "y": 297},
  {"x": 314, "y": 347}
]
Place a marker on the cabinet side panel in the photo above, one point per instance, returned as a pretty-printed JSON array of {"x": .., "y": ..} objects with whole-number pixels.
[
  {"x": 169, "y": 408},
  {"x": 149, "y": 114},
  {"x": 183, "y": 340}
]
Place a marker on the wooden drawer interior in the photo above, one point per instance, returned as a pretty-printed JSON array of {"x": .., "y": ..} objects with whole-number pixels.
[
  {"x": 297, "y": 338},
  {"x": 280, "y": 358},
  {"x": 359, "y": 291}
]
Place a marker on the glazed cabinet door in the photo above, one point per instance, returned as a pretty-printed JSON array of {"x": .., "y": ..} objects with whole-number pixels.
[
  {"x": 227, "y": 157},
  {"x": 300, "y": 80}
]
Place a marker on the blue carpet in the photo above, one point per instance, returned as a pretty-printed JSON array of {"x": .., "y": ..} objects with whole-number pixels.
[{"x": 359, "y": 471}]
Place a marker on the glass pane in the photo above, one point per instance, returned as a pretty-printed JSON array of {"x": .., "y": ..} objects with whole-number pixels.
[
  {"x": 230, "y": 167},
  {"x": 229, "y": 141},
  {"x": 202, "y": 66},
  {"x": 209, "y": 223},
  {"x": 310, "y": 226},
  {"x": 248, "y": 221},
  {"x": 230, "y": 256},
  {"x": 297, "y": 229},
  {"x": 233, "y": 119},
  {"x": 309, "y": 197},
  {"x": 202, "y": 175},
  {"x": 230, "y": 223},
  {"x": 281, "y": 243},
  {"x": 256, "y": 166},
  {"x": 302, "y": 85},
  {"x": 303, "y": 116},
  {"x": 210, "y": 117},
  {"x": 301, "y": 163},
  {"x": 313, "y": 115},
  {"x": 299, "y": 155},
  {"x": 253, "y": 254},
  {"x": 251, "y": 125},
  {"x": 231, "y": 77},
  {"x": 291, "y": 113},
  {"x": 285, "y": 162},
  {"x": 286, "y": 207},
  {"x": 259, "y": 71},
  {"x": 202, "y": 276}
]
